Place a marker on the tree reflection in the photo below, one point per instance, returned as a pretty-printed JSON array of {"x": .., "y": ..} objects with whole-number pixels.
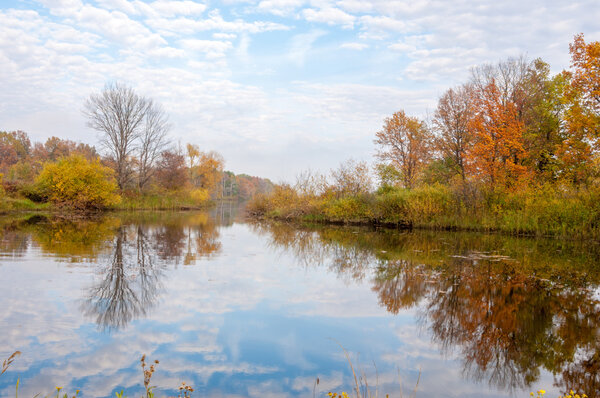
[
  {"x": 13, "y": 242},
  {"x": 507, "y": 316},
  {"x": 131, "y": 281},
  {"x": 129, "y": 285}
]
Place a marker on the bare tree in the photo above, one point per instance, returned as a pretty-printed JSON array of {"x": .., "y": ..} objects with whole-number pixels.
[
  {"x": 508, "y": 75},
  {"x": 153, "y": 139},
  {"x": 118, "y": 113},
  {"x": 352, "y": 178}
]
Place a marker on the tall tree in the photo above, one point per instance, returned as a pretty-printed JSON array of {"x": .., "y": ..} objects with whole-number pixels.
[
  {"x": 497, "y": 151},
  {"x": 508, "y": 76},
  {"x": 118, "y": 113},
  {"x": 451, "y": 122},
  {"x": 153, "y": 139},
  {"x": 582, "y": 116},
  {"x": 14, "y": 147},
  {"x": 585, "y": 60},
  {"x": 405, "y": 142},
  {"x": 542, "y": 119},
  {"x": 171, "y": 171}
]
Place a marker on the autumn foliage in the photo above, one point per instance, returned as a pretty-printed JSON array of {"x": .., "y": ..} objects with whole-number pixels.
[
  {"x": 497, "y": 132},
  {"x": 404, "y": 142},
  {"x": 513, "y": 149},
  {"x": 78, "y": 183}
]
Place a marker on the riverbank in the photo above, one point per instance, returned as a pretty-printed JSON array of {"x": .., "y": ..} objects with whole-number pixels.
[
  {"x": 537, "y": 211},
  {"x": 130, "y": 201}
]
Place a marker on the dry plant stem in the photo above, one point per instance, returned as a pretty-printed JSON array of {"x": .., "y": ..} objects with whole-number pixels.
[
  {"x": 376, "y": 380},
  {"x": 351, "y": 367},
  {"x": 148, "y": 376},
  {"x": 414, "y": 393},
  {"x": 7, "y": 362},
  {"x": 400, "y": 383}
]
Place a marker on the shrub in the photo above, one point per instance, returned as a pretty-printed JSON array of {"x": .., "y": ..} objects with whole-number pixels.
[
  {"x": 78, "y": 183},
  {"x": 199, "y": 195},
  {"x": 348, "y": 209},
  {"x": 33, "y": 192}
]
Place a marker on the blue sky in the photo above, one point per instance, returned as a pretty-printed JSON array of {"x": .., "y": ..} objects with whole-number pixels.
[{"x": 276, "y": 86}]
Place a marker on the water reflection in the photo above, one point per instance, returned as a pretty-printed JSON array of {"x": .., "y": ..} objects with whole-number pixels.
[
  {"x": 509, "y": 307},
  {"x": 129, "y": 284},
  {"x": 513, "y": 311},
  {"x": 132, "y": 252}
]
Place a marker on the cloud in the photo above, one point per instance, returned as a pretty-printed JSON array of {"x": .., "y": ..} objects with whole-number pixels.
[
  {"x": 355, "y": 6},
  {"x": 211, "y": 48},
  {"x": 330, "y": 16},
  {"x": 172, "y": 8},
  {"x": 355, "y": 46},
  {"x": 236, "y": 67},
  {"x": 280, "y": 7},
  {"x": 302, "y": 44},
  {"x": 214, "y": 22},
  {"x": 165, "y": 8}
]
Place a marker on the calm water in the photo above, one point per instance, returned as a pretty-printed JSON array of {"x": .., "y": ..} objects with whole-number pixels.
[{"x": 241, "y": 310}]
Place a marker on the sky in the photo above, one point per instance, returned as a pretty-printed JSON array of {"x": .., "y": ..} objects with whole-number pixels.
[{"x": 276, "y": 86}]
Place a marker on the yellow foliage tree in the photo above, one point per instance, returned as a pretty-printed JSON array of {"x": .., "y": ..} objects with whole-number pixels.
[
  {"x": 78, "y": 183},
  {"x": 404, "y": 142},
  {"x": 206, "y": 169}
]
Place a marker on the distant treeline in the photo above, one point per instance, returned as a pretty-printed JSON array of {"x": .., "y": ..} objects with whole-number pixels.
[
  {"x": 513, "y": 149},
  {"x": 63, "y": 173}
]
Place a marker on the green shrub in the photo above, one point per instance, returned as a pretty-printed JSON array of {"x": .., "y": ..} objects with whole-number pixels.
[{"x": 33, "y": 192}]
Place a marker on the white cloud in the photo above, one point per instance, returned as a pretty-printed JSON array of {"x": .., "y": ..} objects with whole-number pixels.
[
  {"x": 302, "y": 44},
  {"x": 172, "y": 8},
  {"x": 211, "y": 48},
  {"x": 224, "y": 36},
  {"x": 280, "y": 7},
  {"x": 384, "y": 24},
  {"x": 355, "y": 6},
  {"x": 214, "y": 22},
  {"x": 330, "y": 16},
  {"x": 355, "y": 46},
  {"x": 237, "y": 61}
]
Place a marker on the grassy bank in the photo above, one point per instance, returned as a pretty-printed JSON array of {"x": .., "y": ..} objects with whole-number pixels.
[
  {"x": 128, "y": 203},
  {"x": 542, "y": 211},
  {"x": 8, "y": 204}
]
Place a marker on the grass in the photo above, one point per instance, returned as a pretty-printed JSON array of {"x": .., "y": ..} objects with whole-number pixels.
[
  {"x": 537, "y": 211},
  {"x": 129, "y": 201},
  {"x": 9, "y": 204}
]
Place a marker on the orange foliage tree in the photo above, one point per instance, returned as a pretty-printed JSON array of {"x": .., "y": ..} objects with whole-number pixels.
[
  {"x": 498, "y": 150},
  {"x": 582, "y": 117}
]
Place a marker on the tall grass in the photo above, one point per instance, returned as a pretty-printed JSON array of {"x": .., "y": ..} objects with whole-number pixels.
[{"x": 538, "y": 210}]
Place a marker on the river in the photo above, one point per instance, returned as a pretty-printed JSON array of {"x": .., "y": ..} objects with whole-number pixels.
[{"x": 247, "y": 309}]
